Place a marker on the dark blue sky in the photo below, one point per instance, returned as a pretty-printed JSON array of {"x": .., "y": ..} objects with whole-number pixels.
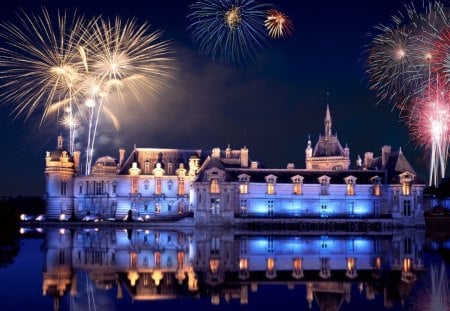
[{"x": 270, "y": 106}]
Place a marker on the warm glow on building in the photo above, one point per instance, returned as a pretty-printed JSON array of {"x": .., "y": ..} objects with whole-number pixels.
[
  {"x": 407, "y": 264},
  {"x": 133, "y": 259},
  {"x": 134, "y": 185},
  {"x": 181, "y": 190},
  {"x": 297, "y": 263},
  {"x": 406, "y": 188},
  {"x": 243, "y": 188},
  {"x": 378, "y": 263},
  {"x": 270, "y": 264},
  {"x": 350, "y": 189},
  {"x": 376, "y": 189},
  {"x": 297, "y": 188},
  {"x": 157, "y": 260},
  {"x": 270, "y": 187},
  {"x": 158, "y": 185},
  {"x": 243, "y": 264},
  {"x": 214, "y": 265},
  {"x": 214, "y": 186}
]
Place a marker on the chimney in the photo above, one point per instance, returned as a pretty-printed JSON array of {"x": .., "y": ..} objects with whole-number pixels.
[
  {"x": 290, "y": 166},
  {"x": 368, "y": 158},
  {"x": 385, "y": 153},
  {"x": 216, "y": 153},
  {"x": 76, "y": 160},
  {"x": 121, "y": 156},
  {"x": 244, "y": 157},
  {"x": 254, "y": 165}
]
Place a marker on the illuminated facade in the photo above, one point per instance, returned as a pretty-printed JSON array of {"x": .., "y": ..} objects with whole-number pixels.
[{"x": 226, "y": 186}]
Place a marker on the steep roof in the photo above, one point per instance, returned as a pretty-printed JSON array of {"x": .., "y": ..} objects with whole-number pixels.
[{"x": 330, "y": 147}]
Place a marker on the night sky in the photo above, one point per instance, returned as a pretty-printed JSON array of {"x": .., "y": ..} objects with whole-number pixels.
[{"x": 270, "y": 106}]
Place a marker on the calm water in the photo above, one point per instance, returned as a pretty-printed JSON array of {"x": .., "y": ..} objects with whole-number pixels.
[{"x": 145, "y": 269}]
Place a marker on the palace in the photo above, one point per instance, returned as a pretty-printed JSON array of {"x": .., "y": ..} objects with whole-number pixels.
[{"x": 228, "y": 187}]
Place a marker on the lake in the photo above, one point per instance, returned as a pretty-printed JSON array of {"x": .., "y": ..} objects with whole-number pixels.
[{"x": 147, "y": 268}]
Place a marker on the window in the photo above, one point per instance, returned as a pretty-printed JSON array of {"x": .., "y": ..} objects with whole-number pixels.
[
  {"x": 134, "y": 185},
  {"x": 243, "y": 187},
  {"x": 243, "y": 183},
  {"x": 214, "y": 186},
  {"x": 169, "y": 185},
  {"x": 376, "y": 208},
  {"x": 243, "y": 207},
  {"x": 181, "y": 190},
  {"x": 114, "y": 187},
  {"x": 376, "y": 189},
  {"x": 350, "y": 185},
  {"x": 214, "y": 265},
  {"x": 63, "y": 187},
  {"x": 297, "y": 182},
  {"x": 270, "y": 186},
  {"x": 170, "y": 168},
  {"x": 406, "y": 187},
  {"x": 158, "y": 185},
  {"x": 350, "y": 188},
  {"x": 270, "y": 208},
  {"x": 146, "y": 183},
  {"x": 324, "y": 185},
  {"x": 98, "y": 187},
  {"x": 215, "y": 206},
  {"x": 80, "y": 188},
  {"x": 147, "y": 167},
  {"x": 157, "y": 207},
  {"x": 407, "y": 208}
]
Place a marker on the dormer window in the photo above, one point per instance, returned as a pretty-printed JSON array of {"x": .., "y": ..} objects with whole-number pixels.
[
  {"x": 350, "y": 185},
  {"x": 324, "y": 184},
  {"x": 406, "y": 180},
  {"x": 376, "y": 186},
  {"x": 297, "y": 182},
  {"x": 214, "y": 186},
  {"x": 243, "y": 183},
  {"x": 271, "y": 181}
]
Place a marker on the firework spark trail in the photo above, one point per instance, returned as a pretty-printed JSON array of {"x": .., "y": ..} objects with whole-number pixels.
[
  {"x": 228, "y": 31},
  {"x": 278, "y": 24},
  {"x": 47, "y": 67},
  {"x": 429, "y": 121},
  {"x": 40, "y": 65}
]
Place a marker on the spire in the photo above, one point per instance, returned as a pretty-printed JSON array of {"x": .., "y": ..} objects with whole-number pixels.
[{"x": 328, "y": 123}]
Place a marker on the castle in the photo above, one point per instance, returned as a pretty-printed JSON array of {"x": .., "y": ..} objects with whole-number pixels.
[{"x": 227, "y": 187}]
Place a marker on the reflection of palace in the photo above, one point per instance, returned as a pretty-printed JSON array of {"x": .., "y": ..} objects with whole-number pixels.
[
  {"x": 165, "y": 264},
  {"x": 227, "y": 186}
]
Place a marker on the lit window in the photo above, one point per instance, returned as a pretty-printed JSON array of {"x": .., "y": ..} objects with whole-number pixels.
[
  {"x": 407, "y": 265},
  {"x": 157, "y": 207},
  {"x": 406, "y": 187},
  {"x": 134, "y": 185},
  {"x": 214, "y": 265},
  {"x": 297, "y": 182},
  {"x": 350, "y": 185},
  {"x": 243, "y": 207},
  {"x": 215, "y": 206},
  {"x": 243, "y": 187},
  {"x": 297, "y": 188},
  {"x": 214, "y": 186},
  {"x": 181, "y": 190},
  {"x": 376, "y": 190},
  {"x": 270, "y": 186},
  {"x": 158, "y": 185}
]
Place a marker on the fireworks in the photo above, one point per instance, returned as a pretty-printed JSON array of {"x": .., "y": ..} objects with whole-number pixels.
[
  {"x": 229, "y": 31},
  {"x": 429, "y": 121},
  {"x": 278, "y": 24},
  {"x": 408, "y": 66},
  {"x": 80, "y": 66}
]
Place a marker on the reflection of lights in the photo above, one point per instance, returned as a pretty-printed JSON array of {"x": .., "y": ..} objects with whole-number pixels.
[
  {"x": 351, "y": 268},
  {"x": 407, "y": 266},
  {"x": 62, "y": 217},
  {"x": 297, "y": 268},
  {"x": 378, "y": 263},
  {"x": 22, "y": 231},
  {"x": 62, "y": 231},
  {"x": 243, "y": 264},
  {"x": 271, "y": 273},
  {"x": 214, "y": 265}
]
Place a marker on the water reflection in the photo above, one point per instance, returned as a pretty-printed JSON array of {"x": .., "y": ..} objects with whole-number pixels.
[{"x": 152, "y": 264}]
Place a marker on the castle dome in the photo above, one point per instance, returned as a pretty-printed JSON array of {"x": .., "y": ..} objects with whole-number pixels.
[
  {"x": 105, "y": 165},
  {"x": 106, "y": 161},
  {"x": 56, "y": 154}
]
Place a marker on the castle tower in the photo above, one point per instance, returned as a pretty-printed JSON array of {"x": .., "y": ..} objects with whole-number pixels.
[
  {"x": 59, "y": 174},
  {"x": 328, "y": 153}
]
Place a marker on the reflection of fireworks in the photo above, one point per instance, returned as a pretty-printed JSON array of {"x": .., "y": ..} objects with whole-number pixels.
[
  {"x": 435, "y": 297},
  {"x": 230, "y": 31},
  {"x": 429, "y": 122},
  {"x": 278, "y": 24}
]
